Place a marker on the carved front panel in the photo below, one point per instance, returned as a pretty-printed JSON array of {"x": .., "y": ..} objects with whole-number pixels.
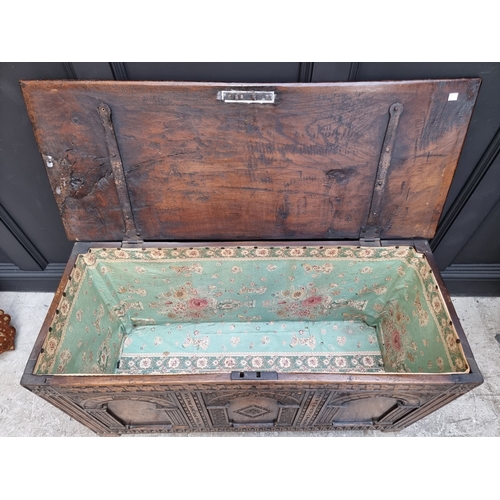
[
  {"x": 227, "y": 407},
  {"x": 253, "y": 408},
  {"x": 363, "y": 411},
  {"x": 253, "y": 411},
  {"x": 368, "y": 408},
  {"x": 133, "y": 413}
]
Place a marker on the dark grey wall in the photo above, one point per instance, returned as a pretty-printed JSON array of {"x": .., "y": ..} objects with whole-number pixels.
[{"x": 33, "y": 245}]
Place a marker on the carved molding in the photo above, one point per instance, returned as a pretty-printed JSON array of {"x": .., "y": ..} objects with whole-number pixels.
[
  {"x": 282, "y": 396},
  {"x": 296, "y": 408},
  {"x": 315, "y": 405},
  {"x": 106, "y": 418},
  {"x": 101, "y": 401},
  {"x": 340, "y": 399}
]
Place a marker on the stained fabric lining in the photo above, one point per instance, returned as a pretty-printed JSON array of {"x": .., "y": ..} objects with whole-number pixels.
[
  {"x": 345, "y": 309},
  {"x": 321, "y": 346}
]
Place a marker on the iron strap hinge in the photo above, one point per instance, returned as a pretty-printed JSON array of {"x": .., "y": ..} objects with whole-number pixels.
[
  {"x": 376, "y": 223},
  {"x": 131, "y": 230}
]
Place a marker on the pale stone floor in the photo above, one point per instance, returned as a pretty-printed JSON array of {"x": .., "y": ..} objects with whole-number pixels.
[{"x": 476, "y": 413}]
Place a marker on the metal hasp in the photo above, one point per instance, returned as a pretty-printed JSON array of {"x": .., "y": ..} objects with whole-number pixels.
[
  {"x": 254, "y": 376},
  {"x": 247, "y": 96},
  {"x": 373, "y": 227},
  {"x": 131, "y": 231}
]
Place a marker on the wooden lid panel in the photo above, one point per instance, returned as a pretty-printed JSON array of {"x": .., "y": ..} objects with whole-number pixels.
[{"x": 199, "y": 168}]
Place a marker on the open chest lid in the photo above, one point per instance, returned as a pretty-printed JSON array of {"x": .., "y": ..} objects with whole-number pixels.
[{"x": 216, "y": 161}]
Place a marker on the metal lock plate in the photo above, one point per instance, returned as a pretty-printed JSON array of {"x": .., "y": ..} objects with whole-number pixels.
[{"x": 247, "y": 96}]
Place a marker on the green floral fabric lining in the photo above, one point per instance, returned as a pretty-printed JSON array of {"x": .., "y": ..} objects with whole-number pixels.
[
  {"x": 294, "y": 346},
  {"x": 384, "y": 302},
  {"x": 86, "y": 335}
]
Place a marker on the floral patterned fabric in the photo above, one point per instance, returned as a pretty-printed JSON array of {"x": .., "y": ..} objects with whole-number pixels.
[
  {"x": 87, "y": 332},
  {"x": 293, "y": 346},
  {"x": 286, "y": 309}
]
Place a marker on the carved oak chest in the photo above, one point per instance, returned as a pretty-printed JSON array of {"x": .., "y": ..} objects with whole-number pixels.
[{"x": 250, "y": 256}]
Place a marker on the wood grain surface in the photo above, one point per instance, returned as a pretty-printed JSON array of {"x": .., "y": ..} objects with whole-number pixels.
[{"x": 198, "y": 168}]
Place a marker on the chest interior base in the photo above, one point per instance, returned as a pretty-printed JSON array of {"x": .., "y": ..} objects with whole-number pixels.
[{"x": 331, "y": 346}]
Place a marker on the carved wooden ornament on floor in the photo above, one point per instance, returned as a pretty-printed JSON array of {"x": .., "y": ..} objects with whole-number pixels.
[{"x": 7, "y": 333}]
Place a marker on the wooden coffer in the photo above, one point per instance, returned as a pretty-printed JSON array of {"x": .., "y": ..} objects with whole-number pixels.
[{"x": 250, "y": 256}]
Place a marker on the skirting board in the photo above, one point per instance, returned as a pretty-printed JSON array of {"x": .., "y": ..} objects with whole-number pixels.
[
  {"x": 12, "y": 279},
  {"x": 473, "y": 279},
  {"x": 460, "y": 279}
]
